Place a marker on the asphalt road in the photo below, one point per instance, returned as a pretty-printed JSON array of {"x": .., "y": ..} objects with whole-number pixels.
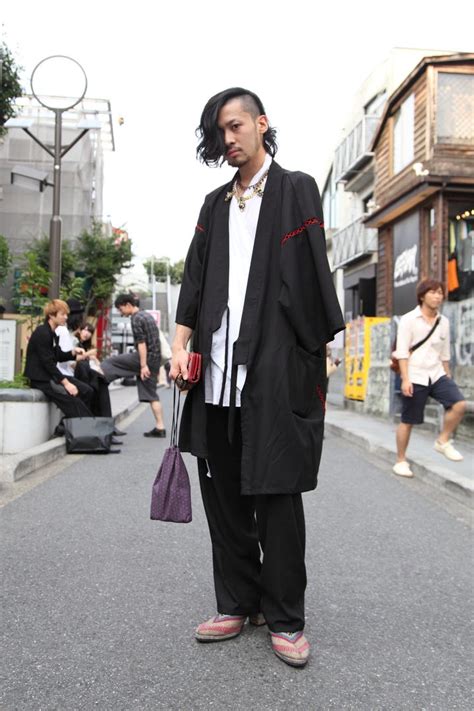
[{"x": 99, "y": 603}]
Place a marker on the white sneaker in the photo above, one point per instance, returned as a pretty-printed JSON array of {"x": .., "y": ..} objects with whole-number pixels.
[
  {"x": 449, "y": 451},
  {"x": 402, "y": 469}
]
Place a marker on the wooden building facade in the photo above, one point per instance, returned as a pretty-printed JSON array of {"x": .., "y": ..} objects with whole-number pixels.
[{"x": 424, "y": 184}]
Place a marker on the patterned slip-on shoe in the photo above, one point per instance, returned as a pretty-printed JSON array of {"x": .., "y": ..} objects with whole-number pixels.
[
  {"x": 257, "y": 619},
  {"x": 220, "y": 627},
  {"x": 291, "y": 647}
]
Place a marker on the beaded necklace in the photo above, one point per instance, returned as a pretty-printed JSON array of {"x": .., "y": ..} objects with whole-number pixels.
[{"x": 256, "y": 188}]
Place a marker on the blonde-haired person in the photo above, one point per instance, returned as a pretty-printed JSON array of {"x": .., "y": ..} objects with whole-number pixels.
[{"x": 42, "y": 355}]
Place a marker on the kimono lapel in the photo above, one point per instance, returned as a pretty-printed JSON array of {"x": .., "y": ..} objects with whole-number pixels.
[
  {"x": 258, "y": 275},
  {"x": 258, "y": 266},
  {"x": 216, "y": 288}
]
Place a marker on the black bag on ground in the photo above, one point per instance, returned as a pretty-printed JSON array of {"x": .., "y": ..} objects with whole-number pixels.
[{"x": 89, "y": 435}]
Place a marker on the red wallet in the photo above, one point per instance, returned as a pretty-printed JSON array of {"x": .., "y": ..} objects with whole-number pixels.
[{"x": 194, "y": 372}]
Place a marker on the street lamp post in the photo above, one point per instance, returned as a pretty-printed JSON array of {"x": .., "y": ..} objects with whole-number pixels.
[
  {"x": 57, "y": 106},
  {"x": 55, "y": 222}
]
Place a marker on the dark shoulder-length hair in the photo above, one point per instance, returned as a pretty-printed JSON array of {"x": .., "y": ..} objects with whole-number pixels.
[
  {"x": 211, "y": 147},
  {"x": 87, "y": 344}
]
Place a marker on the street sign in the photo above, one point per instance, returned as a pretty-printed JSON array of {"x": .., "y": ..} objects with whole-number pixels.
[{"x": 7, "y": 348}]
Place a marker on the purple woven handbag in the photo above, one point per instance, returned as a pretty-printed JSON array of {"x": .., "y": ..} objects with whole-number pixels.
[{"x": 171, "y": 493}]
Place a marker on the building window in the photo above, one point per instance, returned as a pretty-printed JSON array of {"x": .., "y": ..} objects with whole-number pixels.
[
  {"x": 404, "y": 134},
  {"x": 368, "y": 204},
  {"x": 455, "y": 109},
  {"x": 375, "y": 106}
]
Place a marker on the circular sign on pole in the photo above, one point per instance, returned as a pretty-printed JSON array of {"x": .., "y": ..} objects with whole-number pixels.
[{"x": 58, "y": 82}]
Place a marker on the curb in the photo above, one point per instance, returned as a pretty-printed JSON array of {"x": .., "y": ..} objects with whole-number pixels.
[
  {"x": 17, "y": 466},
  {"x": 457, "y": 486}
]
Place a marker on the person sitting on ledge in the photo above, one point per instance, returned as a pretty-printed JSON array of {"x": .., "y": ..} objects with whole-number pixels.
[{"x": 42, "y": 355}]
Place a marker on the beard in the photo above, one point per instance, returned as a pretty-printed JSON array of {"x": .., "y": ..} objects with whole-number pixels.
[{"x": 237, "y": 160}]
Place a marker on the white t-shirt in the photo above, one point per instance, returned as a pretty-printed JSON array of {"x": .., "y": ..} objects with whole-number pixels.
[
  {"x": 66, "y": 344},
  {"x": 242, "y": 230}
]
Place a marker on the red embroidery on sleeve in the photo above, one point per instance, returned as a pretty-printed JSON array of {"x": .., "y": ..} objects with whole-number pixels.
[
  {"x": 299, "y": 230},
  {"x": 200, "y": 228},
  {"x": 321, "y": 396}
]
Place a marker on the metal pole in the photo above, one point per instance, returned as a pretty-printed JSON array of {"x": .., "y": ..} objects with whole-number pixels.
[
  {"x": 153, "y": 284},
  {"x": 55, "y": 223}
]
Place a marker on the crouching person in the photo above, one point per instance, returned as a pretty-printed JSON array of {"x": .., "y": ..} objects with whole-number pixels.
[{"x": 42, "y": 355}]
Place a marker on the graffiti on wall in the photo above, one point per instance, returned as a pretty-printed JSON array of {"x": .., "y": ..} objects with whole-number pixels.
[
  {"x": 463, "y": 327},
  {"x": 406, "y": 267},
  {"x": 461, "y": 321}
]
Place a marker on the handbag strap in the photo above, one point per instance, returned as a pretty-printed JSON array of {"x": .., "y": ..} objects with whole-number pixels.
[
  {"x": 175, "y": 422},
  {"x": 420, "y": 343}
]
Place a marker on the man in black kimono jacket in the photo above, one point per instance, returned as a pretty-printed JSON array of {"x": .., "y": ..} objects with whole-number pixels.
[{"x": 258, "y": 439}]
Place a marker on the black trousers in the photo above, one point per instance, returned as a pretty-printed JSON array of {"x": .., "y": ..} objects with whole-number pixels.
[
  {"x": 258, "y": 542},
  {"x": 101, "y": 406},
  {"x": 71, "y": 406}
]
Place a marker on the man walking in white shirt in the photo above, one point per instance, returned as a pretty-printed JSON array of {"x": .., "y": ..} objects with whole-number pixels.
[{"x": 425, "y": 372}]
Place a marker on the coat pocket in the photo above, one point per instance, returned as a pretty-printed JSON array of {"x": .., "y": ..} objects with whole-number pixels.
[{"x": 307, "y": 380}]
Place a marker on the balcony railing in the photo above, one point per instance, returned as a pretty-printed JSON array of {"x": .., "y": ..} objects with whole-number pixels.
[
  {"x": 353, "y": 242},
  {"x": 353, "y": 152}
]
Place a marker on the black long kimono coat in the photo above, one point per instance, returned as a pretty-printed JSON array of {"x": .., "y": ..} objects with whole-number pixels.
[{"x": 290, "y": 312}]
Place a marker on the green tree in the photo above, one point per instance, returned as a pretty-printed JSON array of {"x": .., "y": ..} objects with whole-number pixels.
[
  {"x": 30, "y": 291},
  {"x": 176, "y": 272},
  {"x": 100, "y": 259},
  {"x": 69, "y": 280},
  {"x": 160, "y": 269},
  {"x": 5, "y": 259},
  {"x": 90, "y": 266},
  {"x": 10, "y": 87}
]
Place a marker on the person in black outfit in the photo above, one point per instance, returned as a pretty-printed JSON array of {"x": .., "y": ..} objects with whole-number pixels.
[
  {"x": 81, "y": 370},
  {"x": 71, "y": 395},
  {"x": 68, "y": 338},
  {"x": 89, "y": 371}
]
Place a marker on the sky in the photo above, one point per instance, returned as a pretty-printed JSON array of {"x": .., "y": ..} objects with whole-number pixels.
[{"x": 158, "y": 63}]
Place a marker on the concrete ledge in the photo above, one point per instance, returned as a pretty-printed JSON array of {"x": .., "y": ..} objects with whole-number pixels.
[
  {"x": 126, "y": 411},
  {"x": 22, "y": 395},
  {"x": 16, "y": 466},
  {"x": 27, "y": 419},
  {"x": 456, "y": 485}
]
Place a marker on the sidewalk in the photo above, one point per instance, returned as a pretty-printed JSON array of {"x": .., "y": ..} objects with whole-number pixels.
[
  {"x": 377, "y": 436},
  {"x": 16, "y": 466}
]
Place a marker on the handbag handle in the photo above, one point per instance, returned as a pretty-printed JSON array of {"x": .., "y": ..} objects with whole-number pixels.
[{"x": 175, "y": 422}]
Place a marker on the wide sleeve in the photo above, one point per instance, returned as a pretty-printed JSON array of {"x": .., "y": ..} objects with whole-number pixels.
[
  {"x": 307, "y": 296},
  {"x": 49, "y": 354},
  {"x": 188, "y": 303}
]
